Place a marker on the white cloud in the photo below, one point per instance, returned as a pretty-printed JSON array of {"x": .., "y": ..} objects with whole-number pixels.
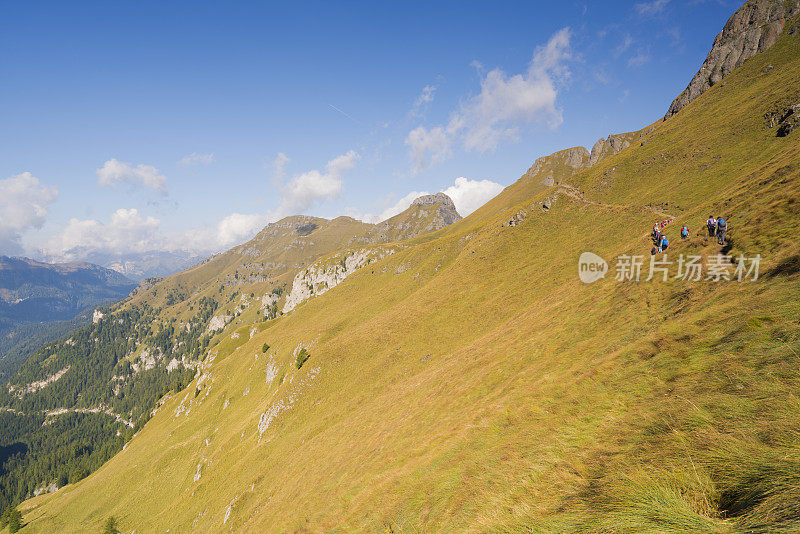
[
  {"x": 425, "y": 97},
  {"x": 238, "y": 228},
  {"x": 279, "y": 166},
  {"x": 504, "y": 103},
  {"x": 114, "y": 171},
  {"x": 623, "y": 45},
  {"x": 642, "y": 56},
  {"x": 197, "y": 159},
  {"x": 307, "y": 189},
  {"x": 127, "y": 232},
  {"x": 428, "y": 147},
  {"x": 23, "y": 205},
  {"x": 232, "y": 230},
  {"x": 650, "y": 8},
  {"x": 469, "y": 195}
]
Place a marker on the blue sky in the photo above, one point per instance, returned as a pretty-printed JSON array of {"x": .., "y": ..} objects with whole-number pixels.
[{"x": 127, "y": 127}]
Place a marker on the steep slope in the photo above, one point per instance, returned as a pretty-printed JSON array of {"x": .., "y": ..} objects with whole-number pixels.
[
  {"x": 471, "y": 382},
  {"x": 754, "y": 28},
  {"x": 102, "y": 380}
]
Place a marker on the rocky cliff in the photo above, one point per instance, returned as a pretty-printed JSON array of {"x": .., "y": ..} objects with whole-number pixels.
[
  {"x": 755, "y": 27},
  {"x": 614, "y": 143},
  {"x": 558, "y": 165},
  {"x": 446, "y": 209}
]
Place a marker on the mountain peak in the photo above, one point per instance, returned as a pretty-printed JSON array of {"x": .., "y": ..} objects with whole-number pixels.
[
  {"x": 754, "y": 28},
  {"x": 438, "y": 198}
]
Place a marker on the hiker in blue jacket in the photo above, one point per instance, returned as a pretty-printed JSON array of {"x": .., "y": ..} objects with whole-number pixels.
[
  {"x": 656, "y": 235},
  {"x": 664, "y": 243},
  {"x": 722, "y": 227},
  {"x": 684, "y": 232}
]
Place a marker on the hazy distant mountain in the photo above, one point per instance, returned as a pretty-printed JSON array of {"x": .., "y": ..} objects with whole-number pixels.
[
  {"x": 147, "y": 264},
  {"x": 37, "y": 292}
]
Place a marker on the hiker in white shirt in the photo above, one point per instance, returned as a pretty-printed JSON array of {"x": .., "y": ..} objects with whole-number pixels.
[{"x": 712, "y": 226}]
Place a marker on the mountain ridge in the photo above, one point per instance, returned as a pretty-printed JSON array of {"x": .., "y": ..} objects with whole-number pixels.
[
  {"x": 470, "y": 380},
  {"x": 754, "y": 28}
]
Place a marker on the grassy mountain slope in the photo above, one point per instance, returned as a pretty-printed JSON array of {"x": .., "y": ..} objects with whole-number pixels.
[
  {"x": 103, "y": 379},
  {"x": 266, "y": 265},
  {"x": 471, "y": 382}
]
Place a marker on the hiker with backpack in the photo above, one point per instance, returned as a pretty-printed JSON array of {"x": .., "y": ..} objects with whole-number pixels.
[
  {"x": 712, "y": 226},
  {"x": 656, "y": 235},
  {"x": 722, "y": 227},
  {"x": 684, "y": 232},
  {"x": 664, "y": 243}
]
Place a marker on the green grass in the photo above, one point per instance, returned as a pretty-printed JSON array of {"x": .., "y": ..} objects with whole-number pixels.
[{"x": 484, "y": 388}]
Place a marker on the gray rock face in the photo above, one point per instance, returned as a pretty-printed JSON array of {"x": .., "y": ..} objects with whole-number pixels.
[
  {"x": 755, "y": 27},
  {"x": 613, "y": 144},
  {"x": 790, "y": 121},
  {"x": 446, "y": 211},
  {"x": 609, "y": 146},
  {"x": 574, "y": 158},
  {"x": 438, "y": 198}
]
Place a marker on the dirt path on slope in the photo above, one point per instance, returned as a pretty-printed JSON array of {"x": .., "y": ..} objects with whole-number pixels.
[{"x": 576, "y": 194}]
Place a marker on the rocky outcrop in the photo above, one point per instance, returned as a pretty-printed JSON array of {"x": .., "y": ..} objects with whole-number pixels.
[
  {"x": 21, "y": 390},
  {"x": 613, "y": 144},
  {"x": 325, "y": 275},
  {"x": 561, "y": 164},
  {"x": 218, "y": 322},
  {"x": 790, "y": 121},
  {"x": 446, "y": 211},
  {"x": 438, "y": 198},
  {"x": 516, "y": 219},
  {"x": 755, "y": 27},
  {"x": 427, "y": 213}
]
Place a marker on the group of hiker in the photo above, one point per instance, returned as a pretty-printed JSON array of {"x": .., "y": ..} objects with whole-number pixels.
[
  {"x": 717, "y": 227},
  {"x": 660, "y": 241}
]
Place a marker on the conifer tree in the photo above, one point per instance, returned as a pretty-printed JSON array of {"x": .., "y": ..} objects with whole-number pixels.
[{"x": 111, "y": 526}]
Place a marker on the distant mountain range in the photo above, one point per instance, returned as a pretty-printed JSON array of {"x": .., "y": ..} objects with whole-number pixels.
[
  {"x": 47, "y": 295},
  {"x": 138, "y": 266}
]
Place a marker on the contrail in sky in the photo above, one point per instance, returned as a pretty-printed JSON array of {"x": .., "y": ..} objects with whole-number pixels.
[{"x": 345, "y": 114}]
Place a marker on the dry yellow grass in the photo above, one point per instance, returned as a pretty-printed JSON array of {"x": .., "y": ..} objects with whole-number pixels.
[{"x": 483, "y": 388}]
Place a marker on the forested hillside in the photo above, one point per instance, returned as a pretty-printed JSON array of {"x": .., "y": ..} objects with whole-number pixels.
[{"x": 50, "y": 296}]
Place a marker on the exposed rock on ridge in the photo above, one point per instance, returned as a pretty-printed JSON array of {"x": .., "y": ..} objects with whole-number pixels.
[
  {"x": 755, "y": 27},
  {"x": 574, "y": 159},
  {"x": 447, "y": 210},
  {"x": 613, "y": 144},
  {"x": 327, "y": 274}
]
